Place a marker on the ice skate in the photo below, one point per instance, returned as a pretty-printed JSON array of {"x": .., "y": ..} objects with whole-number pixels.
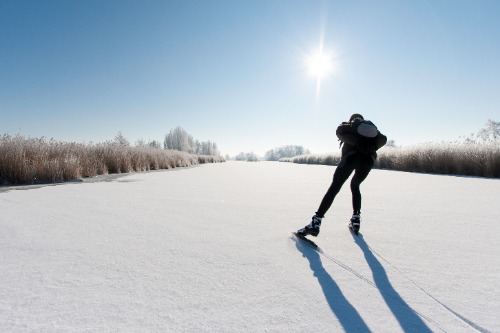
[
  {"x": 355, "y": 223},
  {"x": 312, "y": 228}
]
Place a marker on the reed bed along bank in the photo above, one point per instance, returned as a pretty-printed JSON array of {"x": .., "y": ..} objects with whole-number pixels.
[
  {"x": 36, "y": 161},
  {"x": 467, "y": 159}
]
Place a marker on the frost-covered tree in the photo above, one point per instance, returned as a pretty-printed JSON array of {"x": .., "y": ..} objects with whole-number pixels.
[
  {"x": 140, "y": 143},
  {"x": 285, "y": 151},
  {"x": 121, "y": 140},
  {"x": 391, "y": 143},
  {"x": 155, "y": 144},
  {"x": 490, "y": 132},
  {"x": 250, "y": 157},
  {"x": 179, "y": 139}
]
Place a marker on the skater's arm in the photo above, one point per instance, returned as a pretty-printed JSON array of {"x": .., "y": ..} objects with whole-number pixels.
[
  {"x": 364, "y": 145},
  {"x": 381, "y": 140},
  {"x": 345, "y": 135}
]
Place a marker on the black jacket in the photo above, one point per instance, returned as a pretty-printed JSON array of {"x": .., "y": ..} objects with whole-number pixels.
[{"x": 354, "y": 143}]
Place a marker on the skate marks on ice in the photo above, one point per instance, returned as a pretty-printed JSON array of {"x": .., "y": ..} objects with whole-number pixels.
[
  {"x": 345, "y": 312},
  {"x": 382, "y": 281},
  {"x": 409, "y": 319}
]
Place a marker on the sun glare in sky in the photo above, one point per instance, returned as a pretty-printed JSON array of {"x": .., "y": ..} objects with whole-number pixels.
[{"x": 319, "y": 65}]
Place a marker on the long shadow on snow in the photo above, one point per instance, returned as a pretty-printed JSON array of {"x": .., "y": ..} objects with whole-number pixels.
[
  {"x": 346, "y": 313},
  {"x": 408, "y": 319}
]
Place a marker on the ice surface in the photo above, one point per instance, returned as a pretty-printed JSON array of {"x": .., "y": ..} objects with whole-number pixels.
[{"x": 209, "y": 249}]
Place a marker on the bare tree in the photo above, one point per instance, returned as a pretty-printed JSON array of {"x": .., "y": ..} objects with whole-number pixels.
[
  {"x": 391, "y": 143},
  {"x": 490, "y": 132},
  {"x": 140, "y": 143},
  {"x": 155, "y": 144},
  {"x": 121, "y": 140}
]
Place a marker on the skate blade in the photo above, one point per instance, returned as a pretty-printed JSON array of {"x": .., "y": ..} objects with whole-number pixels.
[
  {"x": 305, "y": 239},
  {"x": 354, "y": 230}
]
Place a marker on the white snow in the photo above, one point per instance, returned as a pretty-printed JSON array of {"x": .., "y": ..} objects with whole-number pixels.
[{"x": 209, "y": 249}]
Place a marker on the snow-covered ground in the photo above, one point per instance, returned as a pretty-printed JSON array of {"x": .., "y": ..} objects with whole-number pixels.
[{"x": 209, "y": 249}]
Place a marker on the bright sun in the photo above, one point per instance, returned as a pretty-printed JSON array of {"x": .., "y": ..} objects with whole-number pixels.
[{"x": 319, "y": 64}]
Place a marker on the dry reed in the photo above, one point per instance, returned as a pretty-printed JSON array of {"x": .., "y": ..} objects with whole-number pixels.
[
  {"x": 34, "y": 161},
  {"x": 451, "y": 158}
]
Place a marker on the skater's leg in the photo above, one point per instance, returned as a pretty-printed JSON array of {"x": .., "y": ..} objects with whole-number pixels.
[
  {"x": 363, "y": 168},
  {"x": 342, "y": 173}
]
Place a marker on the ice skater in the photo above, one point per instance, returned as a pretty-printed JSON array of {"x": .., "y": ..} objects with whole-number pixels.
[{"x": 360, "y": 140}]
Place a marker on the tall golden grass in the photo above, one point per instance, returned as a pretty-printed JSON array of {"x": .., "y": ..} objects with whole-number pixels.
[
  {"x": 450, "y": 158},
  {"x": 34, "y": 161}
]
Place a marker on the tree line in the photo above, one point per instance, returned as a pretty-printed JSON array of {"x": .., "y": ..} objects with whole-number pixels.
[
  {"x": 274, "y": 154},
  {"x": 285, "y": 151},
  {"x": 177, "y": 139}
]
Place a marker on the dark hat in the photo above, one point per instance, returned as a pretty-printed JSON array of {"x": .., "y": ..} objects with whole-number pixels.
[{"x": 356, "y": 115}]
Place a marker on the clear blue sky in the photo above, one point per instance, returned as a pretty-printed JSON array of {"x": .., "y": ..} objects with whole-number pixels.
[{"x": 235, "y": 72}]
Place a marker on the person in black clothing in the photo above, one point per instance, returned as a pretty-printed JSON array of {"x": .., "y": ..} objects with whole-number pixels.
[{"x": 361, "y": 139}]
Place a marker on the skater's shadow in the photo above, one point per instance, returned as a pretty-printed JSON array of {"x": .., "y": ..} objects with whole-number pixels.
[
  {"x": 347, "y": 315},
  {"x": 408, "y": 319}
]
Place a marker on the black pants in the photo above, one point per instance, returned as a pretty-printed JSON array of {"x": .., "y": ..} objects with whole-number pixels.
[{"x": 361, "y": 164}]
